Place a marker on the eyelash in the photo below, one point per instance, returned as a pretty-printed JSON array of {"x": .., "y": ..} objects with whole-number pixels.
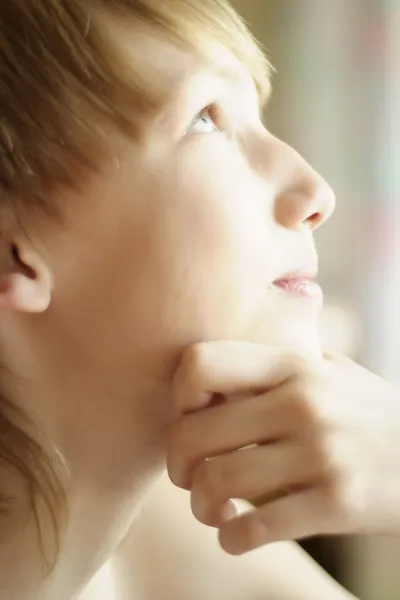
[{"x": 214, "y": 111}]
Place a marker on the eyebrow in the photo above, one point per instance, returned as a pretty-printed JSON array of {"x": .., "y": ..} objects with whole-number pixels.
[
  {"x": 227, "y": 73},
  {"x": 233, "y": 75}
]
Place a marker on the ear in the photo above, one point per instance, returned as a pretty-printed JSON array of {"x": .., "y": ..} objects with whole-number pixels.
[{"x": 25, "y": 280}]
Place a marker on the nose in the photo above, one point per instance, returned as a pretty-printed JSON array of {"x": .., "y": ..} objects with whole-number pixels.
[{"x": 303, "y": 197}]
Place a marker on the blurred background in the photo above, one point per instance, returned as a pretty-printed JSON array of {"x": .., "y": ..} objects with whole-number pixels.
[{"x": 336, "y": 99}]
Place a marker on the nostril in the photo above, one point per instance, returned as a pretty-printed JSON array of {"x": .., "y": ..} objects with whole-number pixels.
[{"x": 314, "y": 218}]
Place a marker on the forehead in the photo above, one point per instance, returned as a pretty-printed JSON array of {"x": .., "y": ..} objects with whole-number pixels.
[{"x": 163, "y": 62}]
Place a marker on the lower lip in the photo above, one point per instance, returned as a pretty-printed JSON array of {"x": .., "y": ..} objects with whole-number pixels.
[{"x": 305, "y": 288}]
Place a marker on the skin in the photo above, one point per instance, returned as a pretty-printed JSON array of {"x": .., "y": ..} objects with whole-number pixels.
[
  {"x": 177, "y": 240},
  {"x": 314, "y": 444}
]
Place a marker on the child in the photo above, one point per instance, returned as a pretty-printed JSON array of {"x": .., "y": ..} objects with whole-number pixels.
[{"x": 144, "y": 208}]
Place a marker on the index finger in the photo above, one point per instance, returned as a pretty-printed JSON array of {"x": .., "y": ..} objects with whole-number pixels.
[{"x": 231, "y": 368}]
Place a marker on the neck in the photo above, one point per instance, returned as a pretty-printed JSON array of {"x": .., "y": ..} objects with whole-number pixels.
[{"x": 110, "y": 427}]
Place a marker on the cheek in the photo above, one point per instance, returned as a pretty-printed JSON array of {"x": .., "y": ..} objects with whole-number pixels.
[{"x": 205, "y": 269}]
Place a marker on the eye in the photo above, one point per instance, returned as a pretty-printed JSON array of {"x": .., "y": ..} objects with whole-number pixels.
[{"x": 205, "y": 122}]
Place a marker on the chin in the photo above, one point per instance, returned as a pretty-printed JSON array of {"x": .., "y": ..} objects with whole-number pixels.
[{"x": 301, "y": 335}]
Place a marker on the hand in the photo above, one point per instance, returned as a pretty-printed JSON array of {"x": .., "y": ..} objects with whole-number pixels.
[{"x": 318, "y": 442}]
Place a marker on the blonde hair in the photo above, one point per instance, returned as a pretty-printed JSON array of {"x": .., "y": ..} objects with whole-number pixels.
[{"x": 63, "y": 75}]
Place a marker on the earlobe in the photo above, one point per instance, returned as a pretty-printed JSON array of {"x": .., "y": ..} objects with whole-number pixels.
[{"x": 25, "y": 281}]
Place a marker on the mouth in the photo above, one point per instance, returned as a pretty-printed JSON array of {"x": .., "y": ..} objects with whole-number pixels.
[{"x": 301, "y": 284}]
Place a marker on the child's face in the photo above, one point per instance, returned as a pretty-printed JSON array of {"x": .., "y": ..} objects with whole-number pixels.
[{"x": 181, "y": 239}]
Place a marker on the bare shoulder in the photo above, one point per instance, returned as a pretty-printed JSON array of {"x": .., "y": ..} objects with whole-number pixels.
[{"x": 175, "y": 557}]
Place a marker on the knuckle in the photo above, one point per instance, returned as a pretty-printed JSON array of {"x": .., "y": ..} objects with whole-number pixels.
[
  {"x": 180, "y": 456},
  {"x": 342, "y": 492},
  {"x": 251, "y": 534},
  {"x": 191, "y": 375},
  {"x": 181, "y": 439},
  {"x": 192, "y": 378},
  {"x": 300, "y": 362},
  {"x": 298, "y": 391},
  {"x": 319, "y": 455},
  {"x": 299, "y": 410},
  {"x": 175, "y": 469},
  {"x": 195, "y": 360},
  {"x": 337, "y": 494},
  {"x": 300, "y": 405},
  {"x": 340, "y": 481},
  {"x": 212, "y": 478}
]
